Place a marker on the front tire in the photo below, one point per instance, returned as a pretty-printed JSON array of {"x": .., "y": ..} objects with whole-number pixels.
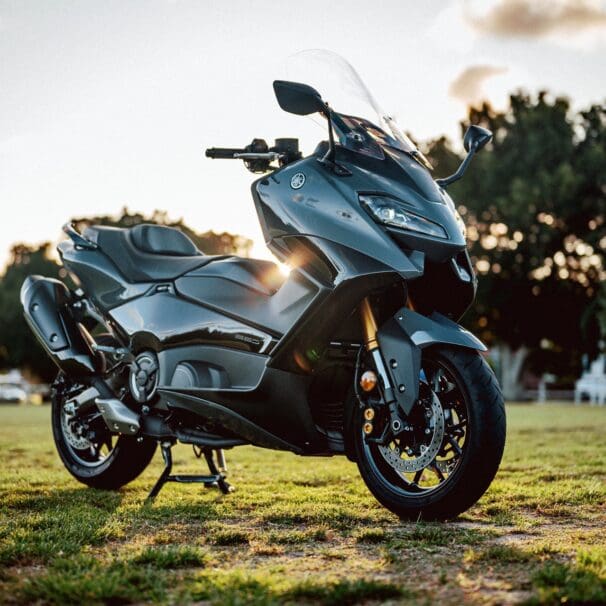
[{"x": 468, "y": 458}]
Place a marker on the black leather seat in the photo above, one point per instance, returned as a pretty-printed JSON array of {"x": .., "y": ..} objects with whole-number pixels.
[
  {"x": 148, "y": 253},
  {"x": 160, "y": 240}
]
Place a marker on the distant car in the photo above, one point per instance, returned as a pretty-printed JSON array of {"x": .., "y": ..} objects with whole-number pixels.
[{"x": 12, "y": 394}]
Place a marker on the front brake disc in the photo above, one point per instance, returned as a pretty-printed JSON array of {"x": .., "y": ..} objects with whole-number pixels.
[{"x": 393, "y": 455}]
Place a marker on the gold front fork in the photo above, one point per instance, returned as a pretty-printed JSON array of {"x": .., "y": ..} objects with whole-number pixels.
[{"x": 369, "y": 324}]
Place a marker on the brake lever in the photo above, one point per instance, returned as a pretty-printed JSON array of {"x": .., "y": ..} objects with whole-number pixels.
[{"x": 259, "y": 156}]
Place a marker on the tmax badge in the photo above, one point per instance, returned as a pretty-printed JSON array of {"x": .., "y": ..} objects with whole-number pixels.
[{"x": 297, "y": 181}]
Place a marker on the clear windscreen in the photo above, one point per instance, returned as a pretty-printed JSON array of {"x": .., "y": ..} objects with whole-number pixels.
[{"x": 361, "y": 123}]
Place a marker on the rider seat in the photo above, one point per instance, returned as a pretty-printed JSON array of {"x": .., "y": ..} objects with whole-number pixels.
[{"x": 148, "y": 253}]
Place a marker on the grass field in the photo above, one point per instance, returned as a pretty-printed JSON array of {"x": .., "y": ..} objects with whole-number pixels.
[{"x": 306, "y": 530}]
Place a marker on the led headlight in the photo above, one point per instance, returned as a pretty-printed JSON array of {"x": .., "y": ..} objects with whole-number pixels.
[{"x": 390, "y": 212}]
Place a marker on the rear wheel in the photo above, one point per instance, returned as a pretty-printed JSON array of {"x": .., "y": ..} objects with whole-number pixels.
[
  {"x": 450, "y": 447},
  {"x": 89, "y": 450}
]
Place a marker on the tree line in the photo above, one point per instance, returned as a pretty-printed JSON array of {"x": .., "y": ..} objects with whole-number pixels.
[{"x": 534, "y": 203}]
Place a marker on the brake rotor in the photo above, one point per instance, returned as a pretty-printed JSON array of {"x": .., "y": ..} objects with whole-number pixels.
[
  {"x": 427, "y": 452},
  {"x": 78, "y": 440}
]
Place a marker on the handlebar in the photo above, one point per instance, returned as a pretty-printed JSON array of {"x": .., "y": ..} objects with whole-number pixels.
[
  {"x": 223, "y": 153},
  {"x": 258, "y": 156}
]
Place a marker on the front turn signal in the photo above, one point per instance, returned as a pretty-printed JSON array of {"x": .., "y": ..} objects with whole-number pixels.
[{"x": 368, "y": 381}]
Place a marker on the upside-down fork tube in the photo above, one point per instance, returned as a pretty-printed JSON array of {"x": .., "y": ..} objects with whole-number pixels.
[{"x": 369, "y": 325}]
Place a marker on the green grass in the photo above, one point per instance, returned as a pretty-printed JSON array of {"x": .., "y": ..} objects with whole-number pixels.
[{"x": 306, "y": 531}]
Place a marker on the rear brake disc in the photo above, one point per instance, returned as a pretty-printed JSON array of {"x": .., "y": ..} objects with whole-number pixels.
[{"x": 75, "y": 439}]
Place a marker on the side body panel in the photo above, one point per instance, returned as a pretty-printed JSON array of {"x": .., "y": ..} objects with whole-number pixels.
[
  {"x": 99, "y": 277},
  {"x": 163, "y": 319},
  {"x": 274, "y": 312}
]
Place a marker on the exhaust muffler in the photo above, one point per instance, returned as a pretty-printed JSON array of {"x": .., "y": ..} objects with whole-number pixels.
[
  {"x": 46, "y": 308},
  {"x": 46, "y": 305}
]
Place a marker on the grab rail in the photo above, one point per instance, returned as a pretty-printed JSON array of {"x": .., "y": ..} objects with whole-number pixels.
[{"x": 77, "y": 238}]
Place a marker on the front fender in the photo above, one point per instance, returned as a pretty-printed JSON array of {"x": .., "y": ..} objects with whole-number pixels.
[
  {"x": 425, "y": 331},
  {"x": 401, "y": 340}
]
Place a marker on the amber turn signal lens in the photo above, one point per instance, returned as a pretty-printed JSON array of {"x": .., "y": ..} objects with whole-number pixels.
[{"x": 368, "y": 381}]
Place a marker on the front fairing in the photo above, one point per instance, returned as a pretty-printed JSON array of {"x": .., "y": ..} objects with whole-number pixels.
[{"x": 327, "y": 206}]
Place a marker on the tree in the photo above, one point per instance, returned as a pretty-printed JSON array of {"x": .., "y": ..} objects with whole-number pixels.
[
  {"x": 18, "y": 346},
  {"x": 535, "y": 203}
]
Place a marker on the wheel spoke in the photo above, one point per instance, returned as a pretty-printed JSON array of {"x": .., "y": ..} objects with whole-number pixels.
[
  {"x": 418, "y": 477},
  {"x": 457, "y": 426},
  {"x": 434, "y": 467},
  {"x": 455, "y": 445}
]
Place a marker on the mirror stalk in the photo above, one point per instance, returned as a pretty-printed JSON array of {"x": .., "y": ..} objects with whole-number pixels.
[
  {"x": 329, "y": 157},
  {"x": 474, "y": 140},
  {"x": 459, "y": 172},
  {"x": 330, "y": 154}
]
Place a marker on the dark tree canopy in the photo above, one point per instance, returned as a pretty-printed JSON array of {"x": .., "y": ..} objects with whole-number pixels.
[
  {"x": 18, "y": 346},
  {"x": 535, "y": 204}
]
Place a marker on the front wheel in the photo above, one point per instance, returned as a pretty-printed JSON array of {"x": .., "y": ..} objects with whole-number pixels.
[{"x": 451, "y": 444}]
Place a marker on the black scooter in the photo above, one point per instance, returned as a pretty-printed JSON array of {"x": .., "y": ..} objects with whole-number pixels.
[{"x": 355, "y": 353}]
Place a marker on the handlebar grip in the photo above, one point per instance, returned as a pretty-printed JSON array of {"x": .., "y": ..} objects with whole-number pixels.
[{"x": 223, "y": 153}]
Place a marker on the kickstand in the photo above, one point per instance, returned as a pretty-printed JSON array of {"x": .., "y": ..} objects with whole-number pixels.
[{"x": 215, "y": 479}]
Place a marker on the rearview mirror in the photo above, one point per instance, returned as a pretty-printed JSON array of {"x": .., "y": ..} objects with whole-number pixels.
[
  {"x": 297, "y": 98},
  {"x": 476, "y": 138}
]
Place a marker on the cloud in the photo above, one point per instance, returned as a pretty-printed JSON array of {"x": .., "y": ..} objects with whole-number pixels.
[
  {"x": 468, "y": 86},
  {"x": 538, "y": 18}
]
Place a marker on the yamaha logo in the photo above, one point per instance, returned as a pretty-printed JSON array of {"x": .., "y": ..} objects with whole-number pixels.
[{"x": 297, "y": 181}]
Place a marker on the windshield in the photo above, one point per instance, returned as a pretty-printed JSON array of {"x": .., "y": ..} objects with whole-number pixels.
[{"x": 360, "y": 122}]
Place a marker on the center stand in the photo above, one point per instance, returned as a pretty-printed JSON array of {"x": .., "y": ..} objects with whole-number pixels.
[{"x": 216, "y": 479}]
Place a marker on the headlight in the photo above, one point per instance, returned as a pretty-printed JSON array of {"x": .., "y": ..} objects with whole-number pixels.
[{"x": 390, "y": 212}]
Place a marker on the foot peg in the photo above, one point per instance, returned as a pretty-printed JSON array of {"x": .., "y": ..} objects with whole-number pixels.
[{"x": 216, "y": 479}]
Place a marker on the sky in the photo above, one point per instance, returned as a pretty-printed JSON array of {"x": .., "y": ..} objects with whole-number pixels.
[{"x": 106, "y": 104}]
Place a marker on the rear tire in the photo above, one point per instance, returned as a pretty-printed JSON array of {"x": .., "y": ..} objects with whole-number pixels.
[
  {"x": 481, "y": 451},
  {"x": 122, "y": 464}
]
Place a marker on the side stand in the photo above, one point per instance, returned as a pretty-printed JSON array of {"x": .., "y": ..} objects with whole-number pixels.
[{"x": 216, "y": 479}]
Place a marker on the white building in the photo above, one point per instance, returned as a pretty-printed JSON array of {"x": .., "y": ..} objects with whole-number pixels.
[{"x": 592, "y": 383}]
